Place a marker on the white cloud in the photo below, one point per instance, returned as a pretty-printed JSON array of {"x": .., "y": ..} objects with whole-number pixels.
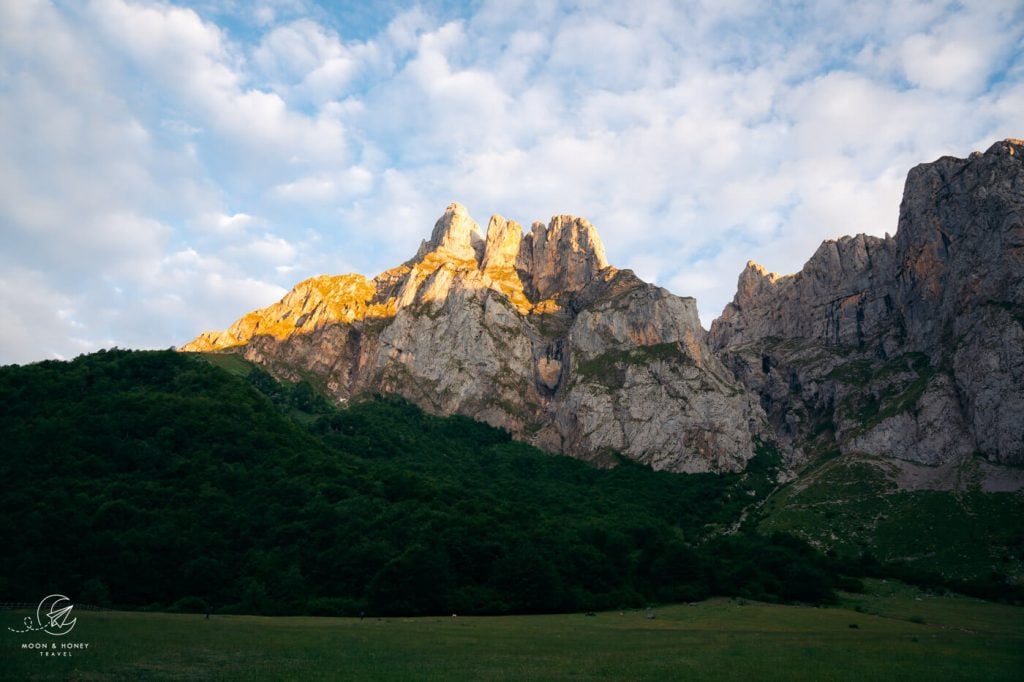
[
  {"x": 194, "y": 61},
  {"x": 303, "y": 55},
  {"x": 268, "y": 248},
  {"x": 224, "y": 224},
  {"x": 39, "y": 321},
  {"x": 324, "y": 187},
  {"x": 959, "y": 52},
  {"x": 94, "y": 199},
  {"x": 164, "y": 171},
  {"x": 932, "y": 62}
]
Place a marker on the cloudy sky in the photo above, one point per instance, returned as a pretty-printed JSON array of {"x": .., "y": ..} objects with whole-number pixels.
[{"x": 166, "y": 167}]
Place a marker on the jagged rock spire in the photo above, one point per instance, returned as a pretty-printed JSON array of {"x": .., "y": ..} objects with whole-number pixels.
[
  {"x": 504, "y": 238},
  {"x": 455, "y": 235},
  {"x": 564, "y": 256}
]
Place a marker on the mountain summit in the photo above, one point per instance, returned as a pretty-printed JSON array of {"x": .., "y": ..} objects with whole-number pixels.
[
  {"x": 908, "y": 348},
  {"x": 531, "y": 332}
]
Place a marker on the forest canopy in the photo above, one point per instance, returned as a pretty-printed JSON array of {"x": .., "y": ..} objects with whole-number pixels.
[{"x": 147, "y": 479}]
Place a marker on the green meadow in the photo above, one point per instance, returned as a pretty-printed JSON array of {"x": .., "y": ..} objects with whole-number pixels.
[{"x": 890, "y": 632}]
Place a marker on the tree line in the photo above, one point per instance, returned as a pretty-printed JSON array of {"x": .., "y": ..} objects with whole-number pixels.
[{"x": 157, "y": 480}]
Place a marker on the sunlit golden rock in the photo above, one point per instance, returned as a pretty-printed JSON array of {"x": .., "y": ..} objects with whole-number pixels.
[{"x": 532, "y": 333}]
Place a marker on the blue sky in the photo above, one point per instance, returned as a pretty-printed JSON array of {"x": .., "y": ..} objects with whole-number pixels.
[{"x": 166, "y": 167}]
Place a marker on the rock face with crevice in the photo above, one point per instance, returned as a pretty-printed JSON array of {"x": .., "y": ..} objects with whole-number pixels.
[
  {"x": 533, "y": 332},
  {"x": 910, "y": 346}
]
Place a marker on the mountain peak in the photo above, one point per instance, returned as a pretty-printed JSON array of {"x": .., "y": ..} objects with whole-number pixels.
[
  {"x": 504, "y": 238},
  {"x": 531, "y": 332},
  {"x": 936, "y": 307},
  {"x": 1010, "y": 146},
  {"x": 754, "y": 272},
  {"x": 455, "y": 235},
  {"x": 563, "y": 256}
]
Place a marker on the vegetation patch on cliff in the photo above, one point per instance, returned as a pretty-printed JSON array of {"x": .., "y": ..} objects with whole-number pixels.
[{"x": 607, "y": 368}]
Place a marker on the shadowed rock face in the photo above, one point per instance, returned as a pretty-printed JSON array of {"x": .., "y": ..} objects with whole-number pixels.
[
  {"x": 909, "y": 346},
  {"x": 838, "y": 298},
  {"x": 534, "y": 333}
]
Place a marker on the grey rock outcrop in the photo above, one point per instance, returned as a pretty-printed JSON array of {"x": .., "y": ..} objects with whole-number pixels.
[
  {"x": 908, "y": 346},
  {"x": 838, "y": 298},
  {"x": 561, "y": 258},
  {"x": 533, "y": 333},
  {"x": 456, "y": 236},
  {"x": 643, "y": 381}
]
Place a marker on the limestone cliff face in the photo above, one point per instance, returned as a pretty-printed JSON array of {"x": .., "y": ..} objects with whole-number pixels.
[
  {"x": 910, "y": 347},
  {"x": 561, "y": 258},
  {"x": 534, "y": 333},
  {"x": 643, "y": 381},
  {"x": 838, "y": 298},
  {"x": 312, "y": 304}
]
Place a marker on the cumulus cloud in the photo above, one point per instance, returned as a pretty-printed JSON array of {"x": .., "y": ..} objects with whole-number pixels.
[
  {"x": 93, "y": 198},
  {"x": 168, "y": 166},
  {"x": 223, "y": 223},
  {"x": 39, "y": 320},
  {"x": 192, "y": 61},
  {"x": 304, "y": 61},
  {"x": 327, "y": 186},
  {"x": 268, "y": 248}
]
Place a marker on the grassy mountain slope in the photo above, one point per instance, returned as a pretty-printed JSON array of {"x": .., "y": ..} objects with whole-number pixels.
[{"x": 852, "y": 505}]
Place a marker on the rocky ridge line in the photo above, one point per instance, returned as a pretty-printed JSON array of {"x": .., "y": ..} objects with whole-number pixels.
[
  {"x": 908, "y": 347},
  {"x": 532, "y": 332}
]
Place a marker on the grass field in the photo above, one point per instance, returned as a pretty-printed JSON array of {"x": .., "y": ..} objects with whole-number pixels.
[{"x": 890, "y": 632}]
